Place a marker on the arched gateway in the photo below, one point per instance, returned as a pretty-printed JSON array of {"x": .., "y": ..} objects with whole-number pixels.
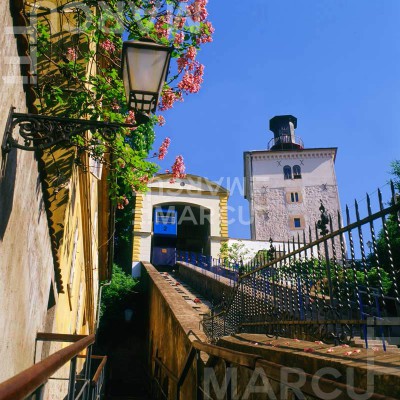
[{"x": 189, "y": 214}]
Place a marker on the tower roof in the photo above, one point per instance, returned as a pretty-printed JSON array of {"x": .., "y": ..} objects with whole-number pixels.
[{"x": 276, "y": 122}]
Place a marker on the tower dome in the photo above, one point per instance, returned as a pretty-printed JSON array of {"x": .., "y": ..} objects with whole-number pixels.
[{"x": 283, "y": 127}]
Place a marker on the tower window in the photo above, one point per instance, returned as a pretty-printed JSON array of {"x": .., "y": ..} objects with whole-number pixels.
[
  {"x": 287, "y": 172},
  {"x": 297, "y": 222},
  {"x": 294, "y": 197},
  {"x": 297, "y": 172}
]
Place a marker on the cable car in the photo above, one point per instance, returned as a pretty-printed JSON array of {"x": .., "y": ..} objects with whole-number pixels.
[
  {"x": 165, "y": 222},
  {"x": 165, "y": 236}
]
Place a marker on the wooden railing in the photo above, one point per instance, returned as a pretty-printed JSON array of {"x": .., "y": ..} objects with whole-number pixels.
[{"x": 33, "y": 379}]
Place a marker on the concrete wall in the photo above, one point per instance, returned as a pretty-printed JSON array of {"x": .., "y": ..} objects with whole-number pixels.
[
  {"x": 205, "y": 283},
  {"x": 173, "y": 325},
  {"x": 26, "y": 263}
]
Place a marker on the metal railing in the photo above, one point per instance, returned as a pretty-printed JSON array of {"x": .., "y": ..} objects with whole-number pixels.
[
  {"x": 284, "y": 141},
  {"x": 30, "y": 384},
  {"x": 321, "y": 291},
  {"x": 98, "y": 380}
]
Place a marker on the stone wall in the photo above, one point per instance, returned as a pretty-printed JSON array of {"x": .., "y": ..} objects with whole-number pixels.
[{"x": 26, "y": 263}]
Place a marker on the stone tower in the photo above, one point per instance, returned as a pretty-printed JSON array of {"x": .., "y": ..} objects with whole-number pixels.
[{"x": 286, "y": 182}]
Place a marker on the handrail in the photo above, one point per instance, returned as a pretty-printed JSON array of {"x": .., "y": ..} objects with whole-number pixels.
[
  {"x": 58, "y": 337},
  {"x": 99, "y": 370},
  {"x": 26, "y": 382}
]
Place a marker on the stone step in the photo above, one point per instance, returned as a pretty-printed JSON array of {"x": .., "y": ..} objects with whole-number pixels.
[{"x": 358, "y": 342}]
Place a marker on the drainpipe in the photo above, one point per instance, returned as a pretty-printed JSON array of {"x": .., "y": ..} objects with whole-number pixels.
[{"x": 249, "y": 190}]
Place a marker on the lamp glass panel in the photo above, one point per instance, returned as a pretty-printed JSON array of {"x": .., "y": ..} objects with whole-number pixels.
[{"x": 146, "y": 68}]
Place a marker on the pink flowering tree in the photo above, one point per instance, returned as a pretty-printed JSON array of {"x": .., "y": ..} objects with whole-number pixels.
[{"x": 79, "y": 76}]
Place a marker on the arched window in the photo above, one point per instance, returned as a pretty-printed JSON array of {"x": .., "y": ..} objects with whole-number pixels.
[
  {"x": 287, "y": 172},
  {"x": 296, "y": 172}
]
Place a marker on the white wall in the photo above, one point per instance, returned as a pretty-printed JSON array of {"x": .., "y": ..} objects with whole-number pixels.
[
  {"x": 266, "y": 190},
  {"x": 254, "y": 246}
]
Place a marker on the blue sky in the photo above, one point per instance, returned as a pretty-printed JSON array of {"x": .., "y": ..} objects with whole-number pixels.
[{"x": 334, "y": 64}]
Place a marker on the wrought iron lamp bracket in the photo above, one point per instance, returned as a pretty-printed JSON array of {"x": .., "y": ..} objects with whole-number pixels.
[{"x": 39, "y": 132}]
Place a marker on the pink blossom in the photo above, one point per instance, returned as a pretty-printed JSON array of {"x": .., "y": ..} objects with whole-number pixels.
[
  {"x": 330, "y": 350},
  {"x": 178, "y": 168},
  {"x": 179, "y": 38},
  {"x": 144, "y": 179},
  {"x": 163, "y": 150},
  {"x": 182, "y": 62},
  {"x": 162, "y": 26},
  {"x": 309, "y": 350},
  {"x": 108, "y": 46},
  {"x": 130, "y": 119},
  {"x": 191, "y": 82},
  {"x": 168, "y": 99},
  {"x": 187, "y": 60},
  {"x": 206, "y": 31},
  {"x": 197, "y": 10},
  {"x": 161, "y": 120},
  {"x": 122, "y": 202},
  {"x": 191, "y": 53},
  {"x": 179, "y": 22},
  {"x": 71, "y": 54}
]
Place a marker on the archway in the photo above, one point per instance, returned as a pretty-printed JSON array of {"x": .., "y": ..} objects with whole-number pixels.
[{"x": 179, "y": 226}]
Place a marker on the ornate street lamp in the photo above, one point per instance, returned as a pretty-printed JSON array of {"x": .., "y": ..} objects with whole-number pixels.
[
  {"x": 145, "y": 66},
  {"x": 144, "y": 70}
]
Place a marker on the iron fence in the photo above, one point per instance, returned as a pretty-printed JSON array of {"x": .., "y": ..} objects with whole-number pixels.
[{"x": 328, "y": 288}]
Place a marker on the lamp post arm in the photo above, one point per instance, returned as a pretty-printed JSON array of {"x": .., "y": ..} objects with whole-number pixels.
[{"x": 40, "y": 132}]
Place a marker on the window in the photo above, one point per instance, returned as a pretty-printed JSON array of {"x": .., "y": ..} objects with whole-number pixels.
[
  {"x": 167, "y": 218},
  {"x": 294, "y": 197},
  {"x": 287, "y": 172},
  {"x": 297, "y": 223},
  {"x": 296, "y": 172}
]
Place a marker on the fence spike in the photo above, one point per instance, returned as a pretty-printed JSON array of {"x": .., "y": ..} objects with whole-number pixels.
[
  {"x": 347, "y": 214},
  {"x": 380, "y": 199}
]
